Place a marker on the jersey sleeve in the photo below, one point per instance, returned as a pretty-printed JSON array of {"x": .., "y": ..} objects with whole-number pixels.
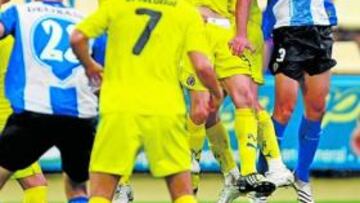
[
  {"x": 99, "y": 48},
  {"x": 268, "y": 22},
  {"x": 8, "y": 19},
  {"x": 97, "y": 23},
  {"x": 196, "y": 39}
]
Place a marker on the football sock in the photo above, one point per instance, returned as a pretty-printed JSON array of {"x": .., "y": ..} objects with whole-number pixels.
[
  {"x": 197, "y": 137},
  {"x": 246, "y": 127},
  {"x": 79, "y": 200},
  {"x": 309, "y": 137},
  {"x": 99, "y": 200},
  {"x": 279, "y": 130},
  {"x": 186, "y": 199},
  {"x": 36, "y": 195},
  {"x": 267, "y": 138},
  {"x": 220, "y": 146}
]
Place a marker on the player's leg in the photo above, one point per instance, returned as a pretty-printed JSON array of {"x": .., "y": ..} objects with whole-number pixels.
[
  {"x": 75, "y": 145},
  {"x": 179, "y": 188},
  {"x": 315, "y": 90},
  {"x": 21, "y": 144},
  {"x": 102, "y": 187},
  {"x": 114, "y": 132},
  {"x": 270, "y": 150},
  {"x": 219, "y": 144},
  {"x": 246, "y": 128},
  {"x": 286, "y": 92},
  {"x": 196, "y": 122},
  {"x": 34, "y": 184},
  {"x": 236, "y": 74}
]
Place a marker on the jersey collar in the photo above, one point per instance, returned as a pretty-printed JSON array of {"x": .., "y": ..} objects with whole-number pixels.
[{"x": 54, "y": 3}]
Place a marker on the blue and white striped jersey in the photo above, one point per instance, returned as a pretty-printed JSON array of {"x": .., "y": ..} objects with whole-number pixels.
[
  {"x": 301, "y": 12},
  {"x": 43, "y": 74}
]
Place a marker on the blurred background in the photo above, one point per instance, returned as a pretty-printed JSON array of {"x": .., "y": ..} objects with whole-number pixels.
[{"x": 336, "y": 168}]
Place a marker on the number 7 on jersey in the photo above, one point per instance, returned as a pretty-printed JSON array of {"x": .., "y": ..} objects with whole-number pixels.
[{"x": 155, "y": 17}]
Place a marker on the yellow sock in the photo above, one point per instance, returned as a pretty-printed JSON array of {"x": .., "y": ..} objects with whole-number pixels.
[
  {"x": 99, "y": 200},
  {"x": 246, "y": 127},
  {"x": 186, "y": 199},
  {"x": 220, "y": 146},
  {"x": 267, "y": 137},
  {"x": 197, "y": 137},
  {"x": 125, "y": 180},
  {"x": 36, "y": 195}
]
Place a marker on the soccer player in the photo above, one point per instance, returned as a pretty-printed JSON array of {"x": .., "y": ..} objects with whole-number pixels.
[
  {"x": 270, "y": 159},
  {"x": 31, "y": 179},
  {"x": 239, "y": 76},
  {"x": 141, "y": 100},
  {"x": 302, "y": 59},
  {"x": 52, "y": 102}
]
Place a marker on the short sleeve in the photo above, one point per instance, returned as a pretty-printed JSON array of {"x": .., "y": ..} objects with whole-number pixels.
[
  {"x": 99, "y": 48},
  {"x": 97, "y": 23},
  {"x": 9, "y": 18},
  {"x": 268, "y": 22},
  {"x": 196, "y": 39}
]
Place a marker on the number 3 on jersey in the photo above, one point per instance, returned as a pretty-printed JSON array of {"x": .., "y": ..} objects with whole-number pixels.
[{"x": 155, "y": 17}]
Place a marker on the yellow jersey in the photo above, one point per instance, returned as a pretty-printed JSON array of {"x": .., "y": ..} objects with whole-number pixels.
[
  {"x": 5, "y": 51},
  {"x": 226, "y": 8},
  {"x": 146, "y": 42}
]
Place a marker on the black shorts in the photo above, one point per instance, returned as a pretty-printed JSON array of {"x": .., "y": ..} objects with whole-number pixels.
[
  {"x": 29, "y": 135},
  {"x": 302, "y": 49}
]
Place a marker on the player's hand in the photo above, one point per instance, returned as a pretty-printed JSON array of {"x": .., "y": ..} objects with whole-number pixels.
[
  {"x": 239, "y": 44},
  {"x": 216, "y": 101},
  {"x": 94, "y": 72}
]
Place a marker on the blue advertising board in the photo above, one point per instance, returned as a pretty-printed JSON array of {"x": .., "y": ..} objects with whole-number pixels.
[{"x": 335, "y": 151}]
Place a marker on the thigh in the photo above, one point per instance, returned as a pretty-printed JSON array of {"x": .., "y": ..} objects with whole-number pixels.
[
  {"x": 117, "y": 142},
  {"x": 286, "y": 93},
  {"x": 166, "y": 143},
  {"x": 315, "y": 90},
  {"x": 23, "y": 141},
  {"x": 75, "y": 144},
  {"x": 239, "y": 89},
  {"x": 225, "y": 63}
]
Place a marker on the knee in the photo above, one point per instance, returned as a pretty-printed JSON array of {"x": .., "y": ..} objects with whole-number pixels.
[
  {"x": 315, "y": 110},
  {"x": 283, "y": 111},
  {"x": 244, "y": 98},
  {"x": 33, "y": 181}
]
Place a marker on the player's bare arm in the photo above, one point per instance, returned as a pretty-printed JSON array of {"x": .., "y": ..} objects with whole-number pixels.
[
  {"x": 207, "y": 76},
  {"x": 2, "y": 29},
  {"x": 3, "y": 1},
  {"x": 80, "y": 46},
  {"x": 240, "y": 41}
]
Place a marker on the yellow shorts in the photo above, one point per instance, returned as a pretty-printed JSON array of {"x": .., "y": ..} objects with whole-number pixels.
[
  {"x": 120, "y": 136},
  {"x": 225, "y": 63},
  {"x": 189, "y": 79}
]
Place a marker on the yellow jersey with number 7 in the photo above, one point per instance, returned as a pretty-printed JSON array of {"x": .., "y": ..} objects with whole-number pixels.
[{"x": 146, "y": 41}]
